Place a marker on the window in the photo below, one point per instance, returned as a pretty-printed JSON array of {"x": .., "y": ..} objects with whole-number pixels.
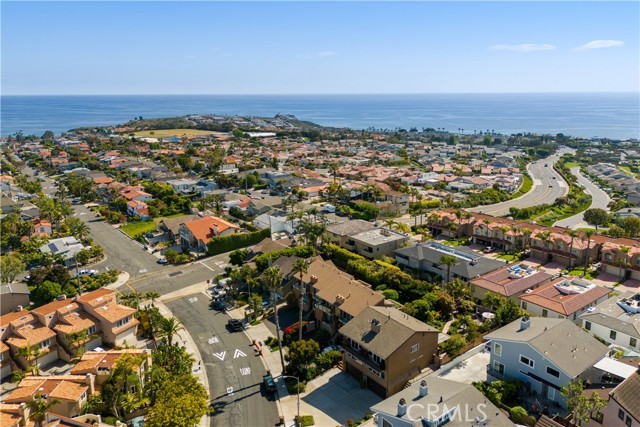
[
  {"x": 587, "y": 326},
  {"x": 497, "y": 349},
  {"x": 621, "y": 414},
  {"x": 612, "y": 335},
  {"x": 91, "y": 330},
  {"x": 386, "y": 423},
  {"x": 575, "y": 315},
  {"x": 104, "y": 369},
  {"x": 545, "y": 312},
  {"x": 377, "y": 359},
  {"x": 524, "y": 305},
  {"x": 355, "y": 345},
  {"x": 553, "y": 372},
  {"x": 551, "y": 393},
  {"x": 607, "y": 257},
  {"x": 633, "y": 342},
  {"x": 499, "y": 367},
  {"x": 473, "y": 288},
  {"x": 415, "y": 348},
  {"x": 638, "y": 261},
  {"x": 44, "y": 344},
  {"x": 526, "y": 361},
  {"x": 122, "y": 322}
]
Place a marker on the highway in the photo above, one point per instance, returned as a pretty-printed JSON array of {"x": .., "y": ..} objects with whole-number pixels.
[
  {"x": 599, "y": 199},
  {"x": 548, "y": 185}
]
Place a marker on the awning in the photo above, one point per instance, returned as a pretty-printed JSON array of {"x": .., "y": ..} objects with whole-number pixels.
[{"x": 615, "y": 367}]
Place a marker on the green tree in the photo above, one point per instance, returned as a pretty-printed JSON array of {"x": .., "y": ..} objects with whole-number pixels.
[
  {"x": 238, "y": 256},
  {"x": 300, "y": 267},
  {"x": 77, "y": 228},
  {"x": 596, "y": 216},
  {"x": 10, "y": 267},
  {"x": 272, "y": 278},
  {"x": 508, "y": 312},
  {"x": 38, "y": 409},
  {"x": 453, "y": 346},
  {"x": 46, "y": 292},
  {"x": 30, "y": 353},
  {"x": 301, "y": 354},
  {"x": 180, "y": 402},
  {"x": 631, "y": 225},
  {"x": 170, "y": 326},
  {"x": 448, "y": 261},
  {"x": 581, "y": 406}
]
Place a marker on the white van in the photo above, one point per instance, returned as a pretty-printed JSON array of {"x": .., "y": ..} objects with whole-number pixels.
[{"x": 328, "y": 208}]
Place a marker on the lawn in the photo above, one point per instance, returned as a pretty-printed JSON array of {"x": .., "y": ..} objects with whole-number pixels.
[
  {"x": 137, "y": 229},
  {"x": 510, "y": 257},
  {"x": 577, "y": 271},
  {"x": 570, "y": 165},
  {"x": 173, "y": 132},
  {"x": 526, "y": 186}
]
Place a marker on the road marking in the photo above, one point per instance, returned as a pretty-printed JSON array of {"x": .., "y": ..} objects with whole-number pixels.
[
  {"x": 220, "y": 355},
  {"x": 142, "y": 270},
  {"x": 213, "y": 340},
  {"x": 192, "y": 300},
  {"x": 230, "y": 391},
  {"x": 202, "y": 263},
  {"x": 238, "y": 353},
  {"x": 245, "y": 371}
]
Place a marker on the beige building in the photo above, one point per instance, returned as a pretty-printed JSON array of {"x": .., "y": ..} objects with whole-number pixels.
[
  {"x": 509, "y": 282},
  {"x": 13, "y": 297},
  {"x": 100, "y": 364},
  {"x": 386, "y": 348},
  {"x": 116, "y": 321}
]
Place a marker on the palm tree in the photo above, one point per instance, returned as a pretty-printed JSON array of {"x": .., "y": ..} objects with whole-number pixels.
[
  {"x": 77, "y": 228},
  {"x": 389, "y": 223},
  {"x": 170, "y": 327},
  {"x": 29, "y": 353},
  {"x": 300, "y": 267},
  {"x": 272, "y": 278},
  {"x": 503, "y": 232},
  {"x": 623, "y": 262},
  {"x": 587, "y": 236},
  {"x": 545, "y": 236},
  {"x": 79, "y": 339},
  {"x": 573, "y": 234},
  {"x": 526, "y": 233},
  {"x": 458, "y": 215},
  {"x": 448, "y": 261},
  {"x": 38, "y": 409},
  {"x": 152, "y": 295}
]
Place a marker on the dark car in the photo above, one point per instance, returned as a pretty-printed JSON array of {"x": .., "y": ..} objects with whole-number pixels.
[
  {"x": 269, "y": 384},
  {"x": 235, "y": 325},
  {"x": 218, "y": 305}
]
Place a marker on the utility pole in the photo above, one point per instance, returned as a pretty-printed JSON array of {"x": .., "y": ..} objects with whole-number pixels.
[{"x": 77, "y": 275}]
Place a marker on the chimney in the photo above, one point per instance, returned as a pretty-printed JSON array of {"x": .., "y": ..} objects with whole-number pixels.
[
  {"x": 314, "y": 279},
  {"x": 215, "y": 229},
  {"x": 402, "y": 407},
  {"x": 19, "y": 308},
  {"x": 375, "y": 326},
  {"x": 90, "y": 381},
  {"x": 525, "y": 322},
  {"x": 339, "y": 299},
  {"x": 424, "y": 390}
]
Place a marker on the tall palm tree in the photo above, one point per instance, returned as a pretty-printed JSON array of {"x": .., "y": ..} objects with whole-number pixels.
[
  {"x": 170, "y": 326},
  {"x": 79, "y": 339},
  {"x": 623, "y": 263},
  {"x": 389, "y": 223},
  {"x": 38, "y": 409},
  {"x": 458, "y": 215},
  {"x": 29, "y": 353},
  {"x": 573, "y": 234},
  {"x": 300, "y": 267},
  {"x": 587, "y": 235},
  {"x": 448, "y": 261},
  {"x": 504, "y": 229},
  {"x": 545, "y": 236},
  {"x": 272, "y": 278},
  {"x": 152, "y": 295},
  {"x": 526, "y": 233}
]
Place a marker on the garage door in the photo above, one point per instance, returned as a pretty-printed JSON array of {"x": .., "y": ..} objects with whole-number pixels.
[
  {"x": 354, "y": 371},
  {"x": 376, "y": 388}
]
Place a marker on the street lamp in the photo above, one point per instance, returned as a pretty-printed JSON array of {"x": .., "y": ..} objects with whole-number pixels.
[{"x": 298, "y": 386}]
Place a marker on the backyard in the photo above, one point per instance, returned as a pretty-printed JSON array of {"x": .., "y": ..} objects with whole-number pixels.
[{"x": 137, "y": 229}]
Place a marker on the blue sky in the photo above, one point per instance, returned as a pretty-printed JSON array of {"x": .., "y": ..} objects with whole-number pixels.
[{"x": 318, "y": 47}]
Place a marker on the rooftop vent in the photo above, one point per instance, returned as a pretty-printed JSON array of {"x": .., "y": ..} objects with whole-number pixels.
[
  {"x": 424, "y": 390},
  {"x": 525, "y": 322},
  {"x": 402, "y": 407},
  {"x": 375, "y": 326}
]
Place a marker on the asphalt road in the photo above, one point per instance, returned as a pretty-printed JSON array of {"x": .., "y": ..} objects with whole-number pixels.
[
  {"x": 233, "y": 368},
  {"x": 599, "y": 198},
  {"x": 548, "y": 185}
]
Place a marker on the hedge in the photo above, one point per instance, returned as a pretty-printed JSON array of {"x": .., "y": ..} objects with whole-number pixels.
[
  {"x": 231, "y": 242},
  {"x": 262, "y": 261}
]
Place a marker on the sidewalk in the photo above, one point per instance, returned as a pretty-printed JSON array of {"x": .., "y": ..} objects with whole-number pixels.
[{"x": 121, "y": 280}]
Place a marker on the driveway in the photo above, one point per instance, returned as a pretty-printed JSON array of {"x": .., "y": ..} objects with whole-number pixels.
[
  {"x": 332, "y": 399},
  {"x": 599, "y": 199}
]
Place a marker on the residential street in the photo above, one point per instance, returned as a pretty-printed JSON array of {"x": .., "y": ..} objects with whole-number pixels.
[
  {"x": 234, "y": 370},
  {"x": 600, "y": 200},
  {"x": 548, "y": 185}
]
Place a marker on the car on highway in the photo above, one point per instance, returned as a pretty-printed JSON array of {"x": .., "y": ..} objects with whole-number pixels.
[
  {"x": 162, "y": 261},
  {"x": 82, "y": 273},
  {"x": 235, "y": 325}
]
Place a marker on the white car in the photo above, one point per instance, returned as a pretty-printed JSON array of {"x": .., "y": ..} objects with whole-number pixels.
[{"x": 86, "y": 273}]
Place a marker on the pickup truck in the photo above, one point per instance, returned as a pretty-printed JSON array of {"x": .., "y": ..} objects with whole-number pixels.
[{"x": 269, "y": 384}]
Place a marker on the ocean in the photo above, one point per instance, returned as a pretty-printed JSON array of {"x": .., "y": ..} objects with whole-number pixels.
[{"x": 604, "y": 115}]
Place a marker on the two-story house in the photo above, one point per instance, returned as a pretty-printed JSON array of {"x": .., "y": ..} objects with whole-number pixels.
[
  {"x": 67, "y": 394},
  {"x": 623, "y": 406},
  {"x": 563, "y": 298},
  {"x": 28, "y": 338},
  {"x": 424, "y": 258},
  {"x": 140, "y": 209},
  {"x": 509, "y": 282},
  {"x": 100, "y": 364},
  {"x": 545, "y": 354},
  {"x": 116, "y": 321},
  {"x": 616, "y": 320},
  {"x": 196, "y": 234},
  {"x": 183, "y": 185},
  {"x": 621, "y": 257},
  {"x": 340, "y": 232},
  {"x": 386, "y": 348},
  {"x": 560, "y": 247},
  {"x": 376, "y": 243},
  {"x": 435, "y": 402},
  {"x": 135, "y": 193},
  {"x": 13, "y": 297}
]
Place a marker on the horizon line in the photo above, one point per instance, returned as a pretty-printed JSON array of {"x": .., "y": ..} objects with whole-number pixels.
[{"x": 329, "y": 94}]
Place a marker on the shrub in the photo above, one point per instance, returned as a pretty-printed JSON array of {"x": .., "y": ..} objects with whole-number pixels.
[
  {"x": 222, "y": 244},
  {"x": 329, "y": 359},
  {"x": 292, "y": 386},
  {"x": 262, "y": 261},
  {"x": 517, "y": 414},
  {"x": 305, "y": 420},
  {"x": 390, "y": 294}
]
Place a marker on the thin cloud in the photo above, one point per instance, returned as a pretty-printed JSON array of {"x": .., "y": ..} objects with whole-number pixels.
[
  {"x": 327, "y": 53},
  {"x": 525, "y": 47},
  {"x": 600, "y": 44}
]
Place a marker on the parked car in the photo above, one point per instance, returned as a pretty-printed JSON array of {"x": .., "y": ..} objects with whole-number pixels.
[
  {"x": 235, "y": 325},
  {"x": 269, "y": 384},
  {"x": 487, "y": 250},
  {"x": 219, "y": 305},
  {"x": 82, "y": 273},
  {"x": 331, "y": 348},
  {"x": 218, "y": 289},
  {"x": 162, "y": 260}
]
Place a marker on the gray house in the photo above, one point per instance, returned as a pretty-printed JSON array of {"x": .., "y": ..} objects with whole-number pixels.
[
  {"x": 13, "y": 297},
  {"x": 425, "y": 258},
  {"x": 545, "y": 354}
]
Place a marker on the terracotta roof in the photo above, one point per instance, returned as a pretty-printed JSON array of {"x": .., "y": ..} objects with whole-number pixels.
[
  {"x": 5, "y": 319},
  {"x": 9, "y": 416},
  {"x": 91, "y": 297},
  {"x": 67, "y": 390},
  {"x": 29, "y": 335},
  {"x": 129, "y": 195},
  {"x": 63, "y": 387},
  {"x": 103, "y": 180},
  {"x": 92, "y": 360},
  {"x": 203, "y": 228},
  {"x": 55, "y": 306},
  {"x": 113, "y": 312},
  {"x": 549, "y": 297},
  {"x": 74, "y": 323}
]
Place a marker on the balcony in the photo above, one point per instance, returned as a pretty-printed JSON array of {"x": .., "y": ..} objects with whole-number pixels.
[{"x": 362, "y": 355}]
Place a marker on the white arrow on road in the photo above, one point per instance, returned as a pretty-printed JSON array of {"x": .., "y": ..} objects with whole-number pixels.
[
  {"x": 238, "y": 353},
  {"x": 220, "y": 355}
]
